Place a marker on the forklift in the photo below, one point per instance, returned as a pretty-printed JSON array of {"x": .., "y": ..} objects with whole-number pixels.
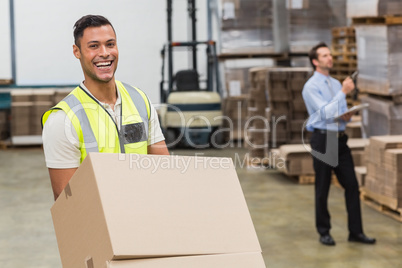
[{"x": 190, "y": 116}]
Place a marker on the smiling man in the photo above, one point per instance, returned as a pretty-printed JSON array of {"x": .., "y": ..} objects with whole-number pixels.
[{"x": 100, "y": 115}]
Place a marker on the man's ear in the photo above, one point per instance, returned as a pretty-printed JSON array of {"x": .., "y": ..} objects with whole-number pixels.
[
  {"x": 76, "y": 51},
  {"x": 315, "y": 62}
]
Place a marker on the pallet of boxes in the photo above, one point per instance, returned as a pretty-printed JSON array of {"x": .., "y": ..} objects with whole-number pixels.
[
  {"x": 295, "y": 160},
  {"x": 5, "y": 105},
  {"x": 287, "y": 115},
  {"x": 378, "y": 26},
  {"x": 27, "y": 108},
  {"x": 257, "y": 125},
  {"x": 145, "y": 211},
  {"x": 235, "y": 103},
  {"x": 382, "y": 188}
]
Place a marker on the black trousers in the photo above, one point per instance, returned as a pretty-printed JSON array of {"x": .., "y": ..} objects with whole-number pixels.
[{"x": 345, "y": 173}]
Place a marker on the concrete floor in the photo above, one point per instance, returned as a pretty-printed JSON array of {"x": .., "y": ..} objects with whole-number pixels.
[{"x": 282, "y": 212}]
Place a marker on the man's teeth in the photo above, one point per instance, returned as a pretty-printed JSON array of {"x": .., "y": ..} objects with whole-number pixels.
[{"x": 101, "y": 64}]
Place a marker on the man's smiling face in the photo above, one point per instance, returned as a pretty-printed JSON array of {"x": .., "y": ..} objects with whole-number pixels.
[{"x": 98, "y": 53}]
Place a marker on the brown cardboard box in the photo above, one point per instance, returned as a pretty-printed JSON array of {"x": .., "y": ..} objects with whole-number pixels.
[
  {"x": 240, "y": 260},
  {"x": 146, "y": 206},
  {"x": 20, "y": 118},
  {"x": 38, "y": 109},
  {"x": 43, "y": 95},
  {"x": 60, "y": 94}
]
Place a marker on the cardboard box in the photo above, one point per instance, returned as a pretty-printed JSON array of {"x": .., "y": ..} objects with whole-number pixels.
[
  {"x": 240, "y": 260},
  {"x": 146, "y": 206}
]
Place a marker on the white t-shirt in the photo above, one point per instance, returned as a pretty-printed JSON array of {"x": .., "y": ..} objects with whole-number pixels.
[{"x": 60, "y": 140}]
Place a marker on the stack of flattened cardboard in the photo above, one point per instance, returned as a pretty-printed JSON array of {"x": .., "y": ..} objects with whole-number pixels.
[
  {"x": 383, "y": 117},
  {"x": 379, "y": 52},
  {"x": 258, "y": 124},
  {"x": 235, "y": 111},
  {"x": 383, "y": 181},
  {"x": 298, "y": 160},
  {"x": 310, "y": 22},
  {"x": 246, "y": 26},
  {"x": 155, "y": 211},
  {"x": 236, "y": 81},
  {"x": 27, "y": 108},
  {"x": 288, "y": 111}
]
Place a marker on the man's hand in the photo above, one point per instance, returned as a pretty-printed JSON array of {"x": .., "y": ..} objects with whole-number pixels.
[
  {"x": 348, "y": 85},
  {"x": 347, "y": 116}
]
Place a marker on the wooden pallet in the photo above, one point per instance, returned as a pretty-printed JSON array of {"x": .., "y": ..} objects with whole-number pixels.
[
  {"x": 310, "y": 179},
  {"x": 345, "y": 40},
  {"x": 352, "y": 58},
  {"x": 376, "y": 203},
  {"x": 343, "y": 31},
  {"x": 344, "y": 49},
  {"x": 255, "y": 162},
  {"x": 345, "y": 64},
  {"x": 5, "y": 144},
  {"x": 387, "y": 20}
]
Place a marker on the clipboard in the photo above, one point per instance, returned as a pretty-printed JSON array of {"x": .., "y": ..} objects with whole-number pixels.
[{"x": 353, "y": 109}]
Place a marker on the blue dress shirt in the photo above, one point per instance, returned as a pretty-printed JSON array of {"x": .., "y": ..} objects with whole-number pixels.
[{"x": 324, "y": 100}]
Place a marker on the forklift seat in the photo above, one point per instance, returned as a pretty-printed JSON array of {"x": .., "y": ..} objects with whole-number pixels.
[{"x": 187, "y": 80}]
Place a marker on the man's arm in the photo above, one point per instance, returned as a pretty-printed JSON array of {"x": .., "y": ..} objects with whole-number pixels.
[
  {"x": 158, "y": 148},
  {"x": 59, "y": 179}
]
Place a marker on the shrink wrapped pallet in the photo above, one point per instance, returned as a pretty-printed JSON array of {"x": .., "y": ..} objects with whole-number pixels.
[
  {"x": 379, "y": 58},
  {"x": 373, "y": 8}
]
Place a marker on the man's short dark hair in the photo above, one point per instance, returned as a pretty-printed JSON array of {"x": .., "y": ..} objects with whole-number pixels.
[
  {"x": 313, "y": 55},
  {"x": 88, "y": 21}
]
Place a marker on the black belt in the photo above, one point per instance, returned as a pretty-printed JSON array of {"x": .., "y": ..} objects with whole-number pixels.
[{"x": 324, "y": 131}]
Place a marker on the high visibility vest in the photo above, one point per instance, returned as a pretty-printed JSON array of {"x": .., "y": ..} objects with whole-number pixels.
[{"x": 97, "y": 131}]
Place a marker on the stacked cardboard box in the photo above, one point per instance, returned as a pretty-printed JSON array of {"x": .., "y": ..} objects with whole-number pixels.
[
  {"x": 288, "y": 111},
  {"x": 4, "y": 124},
  {"x": 27, "y": 108},
  {"x": 258, "y": 125},
  {"x": 379, "y": 53},
  {"x": 383, "y": 117},
  {"x": 299, "y": 162},
  {"x": 235, "y": 111},
  {"x": 311, "y": 21},
  {"x": 383, "y": 181},
  {"x": 149, "y": 211},
  {"x": 246, "y": 26},
  {"x": 26, "y": 111},
  {"x": 354, "y": 128},
  {"x": 237, "y": 81}
]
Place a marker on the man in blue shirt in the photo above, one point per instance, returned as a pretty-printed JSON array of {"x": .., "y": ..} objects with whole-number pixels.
[{"x": 325, "y": 99}]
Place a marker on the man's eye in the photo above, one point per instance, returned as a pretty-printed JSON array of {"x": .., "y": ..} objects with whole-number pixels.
[
  {"x": 93, "y": 46},
  {"x": 111, "y": 45}
]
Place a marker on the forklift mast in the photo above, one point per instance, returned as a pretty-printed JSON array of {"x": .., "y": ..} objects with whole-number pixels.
[{"x": 212, "y": 61}]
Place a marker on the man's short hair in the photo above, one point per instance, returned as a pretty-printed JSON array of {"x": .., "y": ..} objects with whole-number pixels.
[
  {"x": 88, "y": 21},
  {"x": 313, "y": 55}
]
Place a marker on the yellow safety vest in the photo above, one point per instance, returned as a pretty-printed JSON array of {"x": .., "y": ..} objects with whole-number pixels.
[{"x": 97, "y": 131}]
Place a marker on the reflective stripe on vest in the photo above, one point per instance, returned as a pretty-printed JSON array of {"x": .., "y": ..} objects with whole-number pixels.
[{"x": 76, "y": 107}]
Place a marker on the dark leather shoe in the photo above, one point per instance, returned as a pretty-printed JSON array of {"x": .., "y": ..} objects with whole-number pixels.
[
  {"x": 327, "y": 240},
  {"x": 361, "y": 238}
]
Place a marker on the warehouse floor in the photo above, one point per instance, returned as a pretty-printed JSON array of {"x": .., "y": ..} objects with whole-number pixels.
[{"x": 282, "y": 211}]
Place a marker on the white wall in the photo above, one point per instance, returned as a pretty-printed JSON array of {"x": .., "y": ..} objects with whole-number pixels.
[
  {"x": 44, "y": 38},
  {"x": 5, "y": 44}
]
